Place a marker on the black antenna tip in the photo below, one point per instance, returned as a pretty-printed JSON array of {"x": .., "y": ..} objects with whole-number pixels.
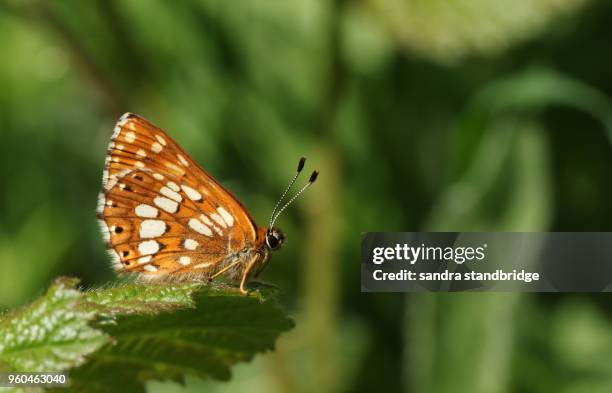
[
  {"x": 313, "y": 177},
  {"x": 301, "y": 164}
]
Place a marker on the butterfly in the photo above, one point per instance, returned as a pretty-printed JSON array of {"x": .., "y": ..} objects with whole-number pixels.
[{"x": 163, "y": 217}]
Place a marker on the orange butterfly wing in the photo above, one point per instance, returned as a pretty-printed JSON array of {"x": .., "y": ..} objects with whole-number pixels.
[{"x": 161, "y": 213}]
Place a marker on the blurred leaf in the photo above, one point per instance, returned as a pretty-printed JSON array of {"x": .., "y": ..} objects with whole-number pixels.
[
  {"x": 506, "y": 187},
  {"x": 21, "y": 270},
  {"x": 366, "y": 46},
  {"x": 582, "y": 339},
  {"x": 523, "y": 94},
  {"x": 529, "y": 197},
  {"x": 483, "y": 149},
  {"x": 449, "y": 31},
  {"x": 513, "y": 156}
]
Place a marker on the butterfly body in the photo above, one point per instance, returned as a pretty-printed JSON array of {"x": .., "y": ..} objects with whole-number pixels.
[{"x": 164, "y": 218}]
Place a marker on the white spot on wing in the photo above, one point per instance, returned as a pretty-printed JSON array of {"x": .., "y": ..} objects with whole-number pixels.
[
  {"x": 144, "y": 210},
  {"x": 218, "y": 219},
  {"x": 194, "y": 195},
  {"x": 146, "y": 259},
  {"x": 112, "y": 180},
  {"x": 202, "y": 265},
  {"x": 139, "y": 164},
  {"x": 160, "y": 140},
  {"x": 182, "y": 160},
  {"x": 208, "y": 222},
  {"x": 206, "y": 219},
  {"x": 141, "y": 153},
  {"x": 152, "y": 228},
  {"x": 158, "y": 176},
  {"x": 199, "y": 227},
  {"x": 167, "y": 204},
  {"x": 156, "y": 147},
  {"x": 173, "y": 186},
  {"x": 148, "y": 247},
  {"x": 229, "y": 219},
  {"x": 171, "y": 194},
  {"x": 184, "y": 260},
  {"x": 191, "y": 244},
  {"x": 150, "y": 268},
  {"x": 175, "y": 168},
  {"x": 130, "y": 136}
]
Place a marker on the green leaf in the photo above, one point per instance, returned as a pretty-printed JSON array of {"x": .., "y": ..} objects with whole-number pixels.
[
  {"x": 119, "y": 337},
  {"x": 130, "y": 299},
  {"x": 222, "y": 329},
  {"x": 51, "y": 334}
]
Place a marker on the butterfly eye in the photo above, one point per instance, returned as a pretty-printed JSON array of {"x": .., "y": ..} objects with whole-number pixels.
[{"x": 274, "y": 239}]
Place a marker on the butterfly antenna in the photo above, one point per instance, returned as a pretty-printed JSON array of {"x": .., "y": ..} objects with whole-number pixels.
[
  {"x": 312, "y": 179},
  {"x": 299, "y": 169}
]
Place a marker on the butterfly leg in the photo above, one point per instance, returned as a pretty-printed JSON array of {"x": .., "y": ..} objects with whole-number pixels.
[
  {"x": 220, "y": 272},
  {"x": 247, "y": 270}
]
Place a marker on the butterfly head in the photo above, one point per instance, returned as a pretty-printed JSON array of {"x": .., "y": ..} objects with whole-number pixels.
[{"x": 274, "y": 238}]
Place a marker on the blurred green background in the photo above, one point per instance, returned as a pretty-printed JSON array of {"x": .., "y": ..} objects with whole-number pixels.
[{"x": 420, "y": 114}]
